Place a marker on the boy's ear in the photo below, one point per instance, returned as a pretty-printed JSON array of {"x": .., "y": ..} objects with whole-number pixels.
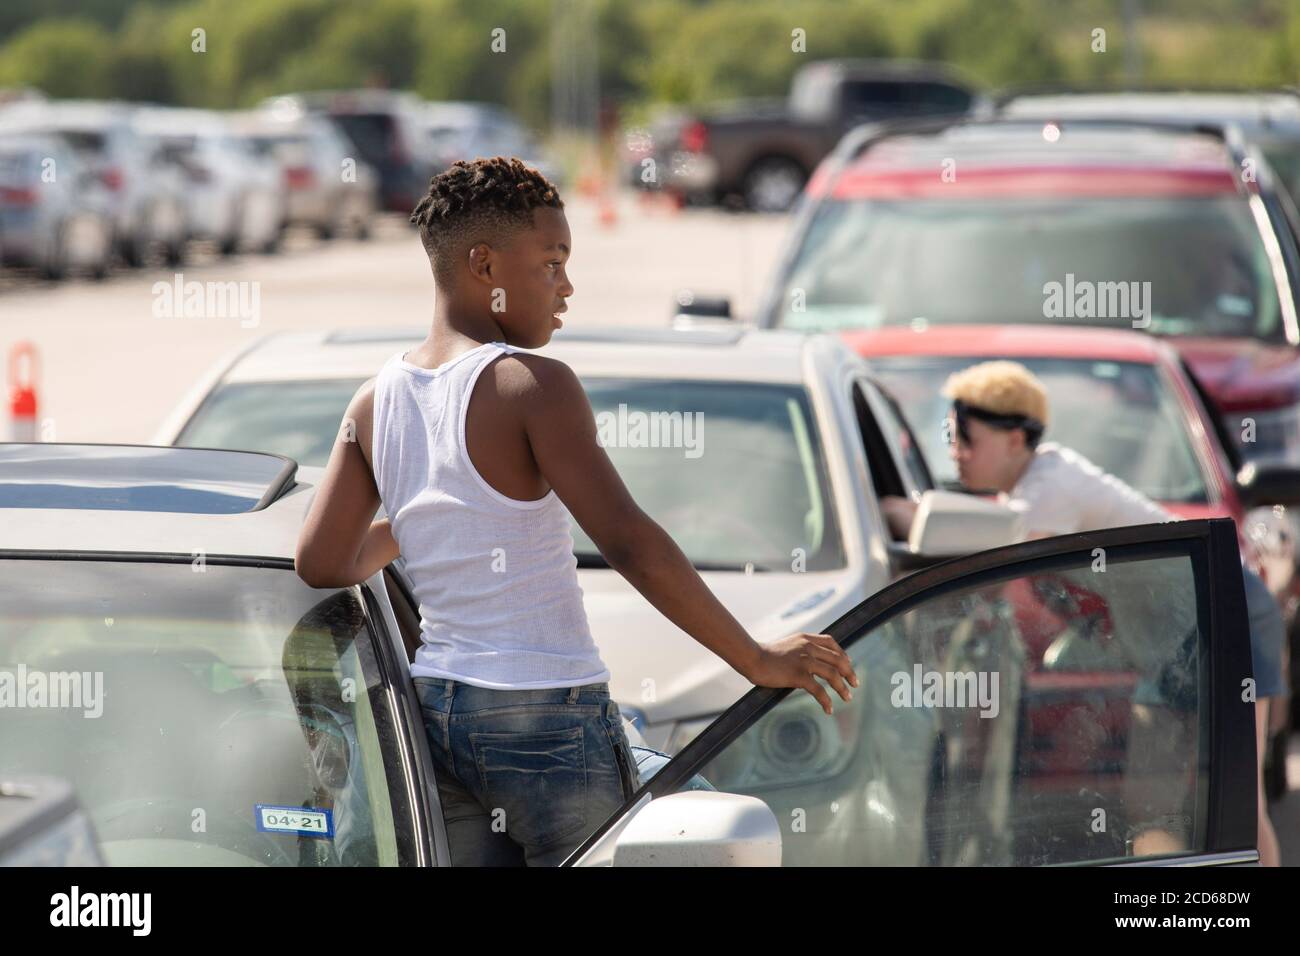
[{"x": 481, "y": 256}]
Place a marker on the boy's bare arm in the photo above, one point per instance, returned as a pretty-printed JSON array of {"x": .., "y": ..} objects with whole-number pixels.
[
  {"x": 340, "y": 544},
  {"x": 561, "y": 431}
]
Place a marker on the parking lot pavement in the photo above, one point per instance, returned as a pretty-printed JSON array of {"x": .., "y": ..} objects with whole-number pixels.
[{"x": 111, "y": 368}]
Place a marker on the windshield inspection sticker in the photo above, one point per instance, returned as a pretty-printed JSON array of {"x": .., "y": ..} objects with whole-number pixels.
[{"x": 305, "y": 820}]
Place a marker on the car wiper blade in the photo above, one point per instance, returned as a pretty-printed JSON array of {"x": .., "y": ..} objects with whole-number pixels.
[{"x": 594, "y": 560}]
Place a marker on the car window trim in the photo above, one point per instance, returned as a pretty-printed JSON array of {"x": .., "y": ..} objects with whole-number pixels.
[
  {"x": 416, "y": 813},
  {"x": 417, "y": 762},
  {"x": 1211, "y": 547},
  {"x": 895, "y": 410}
]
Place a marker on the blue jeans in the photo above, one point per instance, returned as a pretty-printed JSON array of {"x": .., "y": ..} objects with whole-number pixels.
[{"x": 524, "y": 776}]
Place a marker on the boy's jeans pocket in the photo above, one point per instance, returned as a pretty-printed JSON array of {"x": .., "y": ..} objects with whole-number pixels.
[{"x": 535, "y": 782}]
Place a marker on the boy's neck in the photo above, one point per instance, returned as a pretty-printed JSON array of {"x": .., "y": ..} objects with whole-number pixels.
[{"x": 456, "y": 324}]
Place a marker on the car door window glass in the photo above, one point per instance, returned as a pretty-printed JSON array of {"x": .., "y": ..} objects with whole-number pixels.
[
  {"x": 204, "y": 715},
  {"x": 1035, "y": 718}
]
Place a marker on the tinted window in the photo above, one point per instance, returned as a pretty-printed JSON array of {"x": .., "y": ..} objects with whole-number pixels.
[{"x": 371, "y": 133}]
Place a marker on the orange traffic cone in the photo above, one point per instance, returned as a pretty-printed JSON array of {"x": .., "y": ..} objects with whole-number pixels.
[{"x": 22, "y": 396}]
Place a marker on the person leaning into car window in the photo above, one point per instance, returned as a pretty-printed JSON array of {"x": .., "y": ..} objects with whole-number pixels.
[{"x": 998, "y": 418}]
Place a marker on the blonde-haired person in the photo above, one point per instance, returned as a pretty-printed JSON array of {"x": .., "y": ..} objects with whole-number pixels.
[{"x": 1000, "y": 412}]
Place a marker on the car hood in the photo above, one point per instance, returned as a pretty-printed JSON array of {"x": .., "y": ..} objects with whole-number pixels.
[
  {"x": 664, "y": 673},
  {"x": 1244, "y": 374}
]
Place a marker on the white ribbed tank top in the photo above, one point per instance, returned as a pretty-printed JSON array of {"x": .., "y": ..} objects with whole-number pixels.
[{"x": 495, "y": 577}]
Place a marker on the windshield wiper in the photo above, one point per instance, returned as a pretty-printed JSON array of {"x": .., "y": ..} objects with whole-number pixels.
[{"x": 594, "y": 560}]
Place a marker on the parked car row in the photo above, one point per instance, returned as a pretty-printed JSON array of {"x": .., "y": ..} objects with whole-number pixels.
[{"x": 86, "y": 185}]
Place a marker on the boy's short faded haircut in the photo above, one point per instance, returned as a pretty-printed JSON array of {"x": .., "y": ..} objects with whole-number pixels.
[
  {"x": 1003, "y": 388},
  {"x": 483, "y": 200}
]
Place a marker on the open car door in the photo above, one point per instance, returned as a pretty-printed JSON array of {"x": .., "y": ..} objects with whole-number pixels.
[{"x": 1114, "y": 724}]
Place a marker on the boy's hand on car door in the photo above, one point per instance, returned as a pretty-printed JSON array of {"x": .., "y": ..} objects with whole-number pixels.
[{"x": 798, "y": 660}]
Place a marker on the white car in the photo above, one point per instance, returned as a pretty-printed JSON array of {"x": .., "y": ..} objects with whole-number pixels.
[
  {"x": 326, "y": 187},
  {"x": 234, "y": 195},
  {"x": 770, "y": 485},
  {"x": 146, "y": 191},
  {"x": 158, "y": 652}
]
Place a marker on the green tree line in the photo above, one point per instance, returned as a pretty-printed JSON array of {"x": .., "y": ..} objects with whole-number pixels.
[{"x": 647, "y": 51}]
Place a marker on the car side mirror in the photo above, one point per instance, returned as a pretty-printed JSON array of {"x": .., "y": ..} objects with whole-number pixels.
[
  {"x": 1261, "y": 486},
  {"x": 948, "y": 524},
  {"x": 694, "y": 311},
  {"x": 701, "y": 828}
]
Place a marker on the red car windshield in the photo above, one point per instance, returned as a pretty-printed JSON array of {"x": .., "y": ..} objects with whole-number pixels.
[{"x": 1173, "y": 264}]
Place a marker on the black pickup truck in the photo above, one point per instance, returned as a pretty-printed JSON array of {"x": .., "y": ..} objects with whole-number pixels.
[{"x": 759, "y": 153}]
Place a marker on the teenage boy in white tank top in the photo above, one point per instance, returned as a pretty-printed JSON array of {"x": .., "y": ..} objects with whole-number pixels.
[{"x": 473, "y": 444}]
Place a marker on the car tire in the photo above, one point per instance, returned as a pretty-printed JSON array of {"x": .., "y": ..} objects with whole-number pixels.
[
  {"x": 174, "y": 252},
  {"x": 55, "y": 267},
  {"x": 132, "y": 253},
  {"x": 772, "y": 184}
]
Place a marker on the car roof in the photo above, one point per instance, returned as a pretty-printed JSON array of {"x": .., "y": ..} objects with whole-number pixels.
[
  {"x": 165, "y": 120},
  {"x": 733, "y": 353},
  {"x": 270, "y": 531},
  {"x": 67, "y": 114},
  {"x": 1012, "y": 341},
  {"x": 1254, "y": 110},
  {"x": 1020, "y": 157}
]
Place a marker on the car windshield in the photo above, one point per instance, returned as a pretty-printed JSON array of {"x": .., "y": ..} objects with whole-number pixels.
[
  {"x": 733, "y": 471},
  {"x": 1122, "y": 416},
  {"x": 298, "y": 418},
  {"x": 204, "y": 714},
  {"x": 1190, "y": 265}
]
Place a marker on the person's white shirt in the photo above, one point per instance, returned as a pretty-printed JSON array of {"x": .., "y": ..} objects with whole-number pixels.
[{"x": 1062, "y": 492}]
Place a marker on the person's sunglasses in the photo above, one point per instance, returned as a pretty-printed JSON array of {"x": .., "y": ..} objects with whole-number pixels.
[{"x": 963, "y": 412}]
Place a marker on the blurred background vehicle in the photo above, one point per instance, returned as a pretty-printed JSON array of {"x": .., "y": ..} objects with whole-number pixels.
[
  {"x": 233, "y": 195},
  {"x": 324, "y": 186},
  {"x": 762, "y": 151},
  {"x": 1097, "y": 207},
  {"x": 468, "y": 130},
  {"x": 1109, "y": 210},
  {"x": 146, "y": 190},
  {"x": 54, "y": 211},
  {"x": 385, "y": 129}
]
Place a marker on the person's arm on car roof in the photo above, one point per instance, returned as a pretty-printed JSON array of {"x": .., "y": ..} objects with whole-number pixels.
[{"x": 340, "y": 544}]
